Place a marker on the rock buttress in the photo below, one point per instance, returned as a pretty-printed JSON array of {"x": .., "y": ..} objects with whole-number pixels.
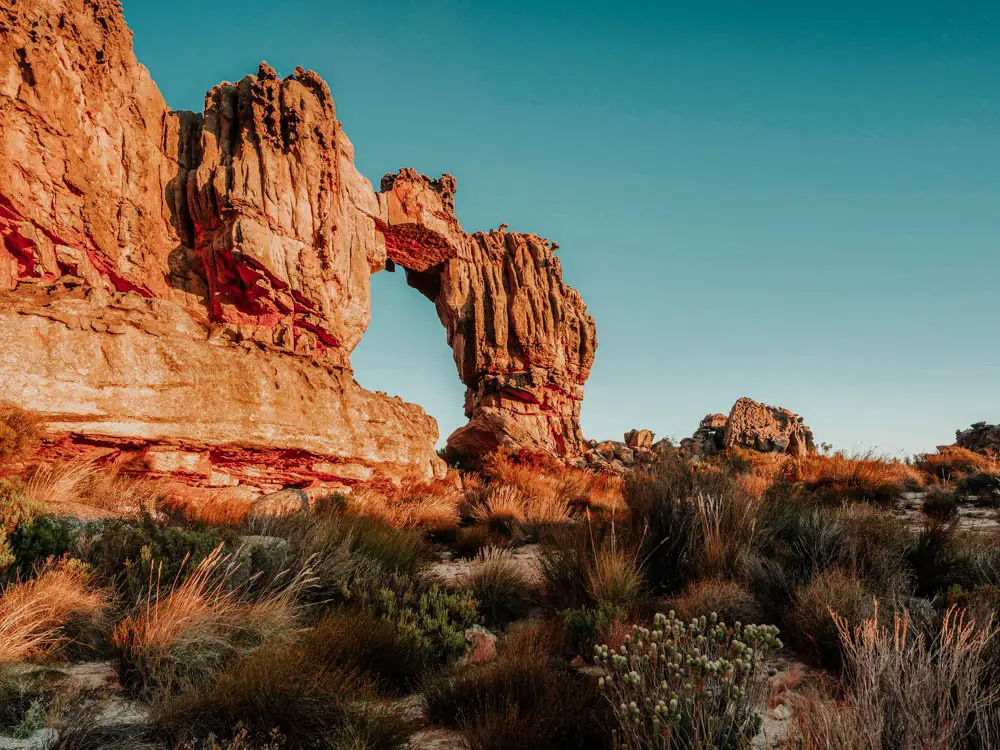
[
  {"x": 522, "y": 339},
  {"x": 180, "y": 284}
]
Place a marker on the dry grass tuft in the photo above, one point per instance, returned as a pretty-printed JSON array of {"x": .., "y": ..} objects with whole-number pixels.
[
  {"x": 82, "y": 488},
  {"x": 35, "y": 613},
  {"x": 219, "y": 510},
  {"x": 907, "y": 690},
  {"x": 195, "y": 627},
  {"x": 423, "y": 506},
  {"x": 839, "y": 478},
  {"x": 500, "y": 585}
]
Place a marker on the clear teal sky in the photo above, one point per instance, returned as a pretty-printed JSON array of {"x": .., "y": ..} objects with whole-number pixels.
[{"x": 796, "y": 201}]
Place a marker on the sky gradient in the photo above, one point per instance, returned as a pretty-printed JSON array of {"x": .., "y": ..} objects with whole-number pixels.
[{"x": 797, "y": 202}]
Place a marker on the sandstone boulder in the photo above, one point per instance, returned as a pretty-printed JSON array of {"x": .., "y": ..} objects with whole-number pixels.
[
  {"x": 752, "y": 425},
  {"x": 639, "y": 439}
]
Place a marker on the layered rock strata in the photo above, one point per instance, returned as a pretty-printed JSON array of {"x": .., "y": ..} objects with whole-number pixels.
[{"x": 182, "y": 291}]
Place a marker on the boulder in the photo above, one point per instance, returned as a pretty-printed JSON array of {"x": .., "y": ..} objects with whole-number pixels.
[
  {"x": 481, "y": 646},
  {"x": 770, "y": 429},
  {"x": 639, "y": 439},
  {"x": 981, "y": 438}
]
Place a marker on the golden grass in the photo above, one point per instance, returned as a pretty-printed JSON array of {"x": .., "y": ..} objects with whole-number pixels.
[
  {"x": 221, "y": 509},
  {"x": 429, "y": 506},
  {"x": 833, "y": 477},
  {"x": 194, "y": 626},
  {"x": 74, "y": 487},
  {"x": 952, "y": 462},
  {"x": 34, "y": 613}
]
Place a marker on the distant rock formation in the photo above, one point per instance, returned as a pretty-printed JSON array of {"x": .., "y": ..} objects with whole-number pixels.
[
  {"x": 182, "y": 291},
  {"x": 981, "y": 437},
  {"x": 752, "y": 425}
]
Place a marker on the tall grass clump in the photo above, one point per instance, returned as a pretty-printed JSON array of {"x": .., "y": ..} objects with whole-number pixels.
[
  {"x": 501, "y": 587},
  {"x": 36, "y": 615},
  {"x": 189, "y": 631},
  {"x": 907, "y": 690},
  {"x": 694, "y": 684},
  {"x": 83, "y": 487}
]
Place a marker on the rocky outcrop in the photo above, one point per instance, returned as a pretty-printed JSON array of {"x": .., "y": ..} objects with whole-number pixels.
[
  {"x": 981, "y": 438},
  {"x": 522, "y": 339},
  {"x": 182, "y": 291},
  {"x": 752, "y": 425}
]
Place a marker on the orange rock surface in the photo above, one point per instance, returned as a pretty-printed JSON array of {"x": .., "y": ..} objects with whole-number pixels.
[{"x": 183, "y": 291}]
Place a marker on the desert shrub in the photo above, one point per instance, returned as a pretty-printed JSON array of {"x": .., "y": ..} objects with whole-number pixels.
[
  {"x": 500, "y": 586},
  {"x": 794, "y": 541},
  {"x": 730, "y": 600},
  {"x": 941, "y": 558},
  {"x": 24, "y": 696},
  {"x": 280, "y": 688},
  {"x": 662, "y": 507},
  {"x": 584, "y": 626},
  {"x": 84, "y": 729},
  {"x": 19, "y": 432},
  {"x": 133, "y": 554},
  {"x": 982, "y": 487},
  {"x": 358, "y": 640},
  {"x": 219, "y": 510},
  {"x": 37, "y": 615},
  {"x": 614, "y": 574},
  {"x": 726, "y": 527},
  {"x": 875, "y": 546},
  {"x": 351, "y": 558},
  {"x": 58, "y": 486},
  {"x": 523, "y": 699},
  {"x": 940, "y": 504},
  {"x": 200, "y": 623},
  {"x": 43, "y": 537},
  {"x": 688, "y": 684},
  {"x": 432, "y": 618},
  {"x": 809, "y": 624},
  {"x": 566, "y": 553},
  {"x": 469, "y": 540},
  {"x": 906, "y": 690}
]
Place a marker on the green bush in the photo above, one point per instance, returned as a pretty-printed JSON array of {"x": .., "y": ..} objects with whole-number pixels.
[
  {"x": 133, "y": 554},
  {"x": 584, "y": 626},
  {"x": 433, "y": 619},
  {"x": 688, "y": 685},
  {"x": 43, "y": 537}
]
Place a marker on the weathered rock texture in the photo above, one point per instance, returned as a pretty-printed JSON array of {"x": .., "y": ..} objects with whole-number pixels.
[
  {"x": 981, "y": 437},
  {"x": 184, "y": 290},
  {"x": 522, "y": 339},
  {"x": 752, "y": 425}
]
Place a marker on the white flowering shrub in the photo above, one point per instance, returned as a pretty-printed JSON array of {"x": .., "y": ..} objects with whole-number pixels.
[{"x": 684, "y": 685}]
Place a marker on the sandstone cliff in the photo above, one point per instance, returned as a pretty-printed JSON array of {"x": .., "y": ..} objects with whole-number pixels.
[{"x": 184, "y": 290}]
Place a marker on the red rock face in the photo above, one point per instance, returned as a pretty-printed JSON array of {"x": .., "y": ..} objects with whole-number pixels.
[
  {"x": 182, "y": 291},
  {"x": 522, "y": 339}
]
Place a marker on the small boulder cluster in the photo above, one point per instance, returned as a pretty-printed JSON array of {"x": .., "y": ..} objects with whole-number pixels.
[
  {"x": 637, "y": 449},
  {"x": 980, "y": 438}
]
